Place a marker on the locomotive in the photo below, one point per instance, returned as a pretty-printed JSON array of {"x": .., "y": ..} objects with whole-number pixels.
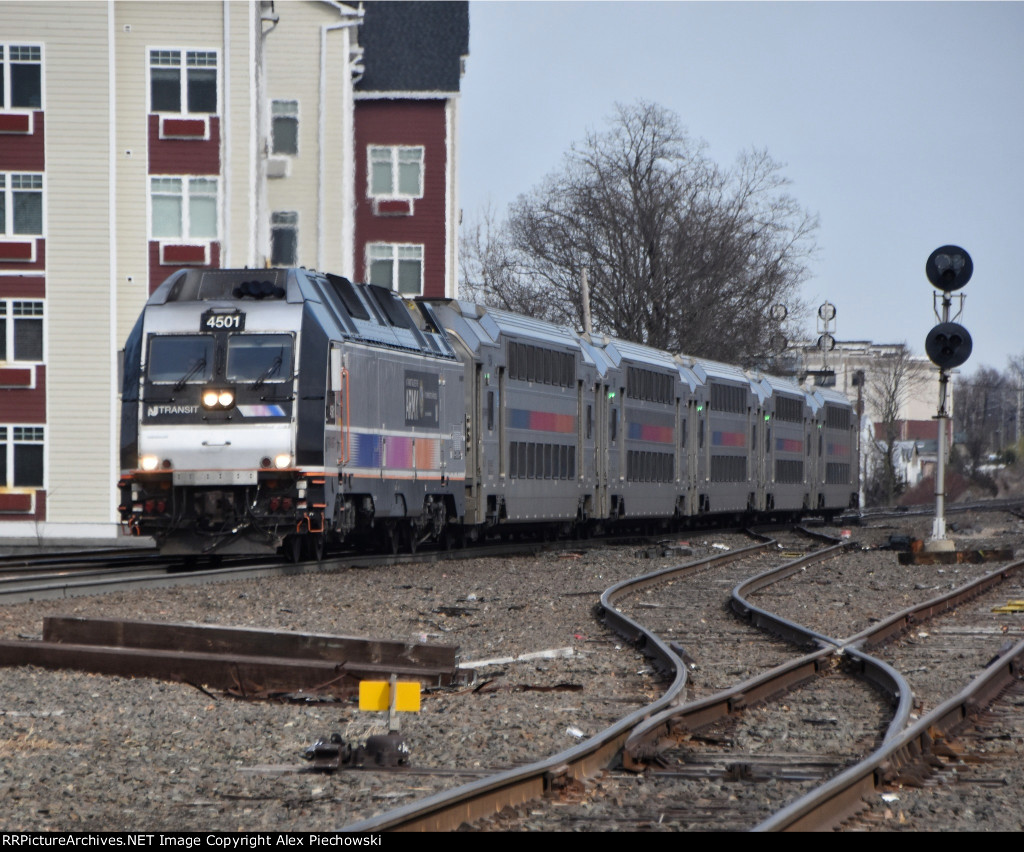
[{"x": 288, "y": 410}]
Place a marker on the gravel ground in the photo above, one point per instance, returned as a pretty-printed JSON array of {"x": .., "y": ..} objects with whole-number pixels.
[{"x": 81, "y": 752}]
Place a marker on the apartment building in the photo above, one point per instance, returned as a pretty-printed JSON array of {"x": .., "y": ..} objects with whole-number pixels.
[{"x": 137, "y": 138}]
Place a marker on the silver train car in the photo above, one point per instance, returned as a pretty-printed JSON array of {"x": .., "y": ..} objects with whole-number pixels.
[{"x": 290, "y": 410}]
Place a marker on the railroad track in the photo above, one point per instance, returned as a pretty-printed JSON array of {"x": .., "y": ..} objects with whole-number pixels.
[
  {"x": 560, "y": 782},
  {"x": 885, "y": 711}
]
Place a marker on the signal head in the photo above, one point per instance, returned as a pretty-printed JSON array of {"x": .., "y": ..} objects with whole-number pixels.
[
  {"x": 948, "y": 268},
  {"x": 948, "y": 345}
]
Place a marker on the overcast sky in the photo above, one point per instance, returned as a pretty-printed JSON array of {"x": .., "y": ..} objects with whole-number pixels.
[{"x": 901, "y": 124}]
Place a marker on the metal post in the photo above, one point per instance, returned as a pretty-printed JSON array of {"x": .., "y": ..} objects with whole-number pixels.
[{"x": 938, "y": 541}]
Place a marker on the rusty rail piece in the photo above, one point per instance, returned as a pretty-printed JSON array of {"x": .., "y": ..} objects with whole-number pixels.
[
  {"x": 449, "y": 809},
  {"x": 842, "y": 797},
  {"x": 250, "y": 661}
]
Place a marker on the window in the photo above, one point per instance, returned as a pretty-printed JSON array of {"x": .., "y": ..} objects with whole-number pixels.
[
  {"x": 728, "y": 398},
  {"x": 169, "y": 77},
  {"x": 21, "y": 456},
  {"x": 184, "y": 208},
  {"x": 21, "y": 331},
  {"x": 284, "y": 239},
  {"x": 789, "y": 409},
  {"x": 396, "y": 172},
  {"x": 836, "y": 417},
  {"x": 181, "y": 359},
  {"x": 259, "y": 358},
  {"x": 21, "y": 204},
  {"x": 284, "y": 132},
  {"x": 21, "y": 76},
  {"x": 396, "y": 267}
]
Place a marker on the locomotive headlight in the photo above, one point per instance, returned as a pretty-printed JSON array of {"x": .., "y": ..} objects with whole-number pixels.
[
  {"x": 148, "y": 462},
  {"x": 213, "y": 398},
  {"x": 282, "y": 460}
]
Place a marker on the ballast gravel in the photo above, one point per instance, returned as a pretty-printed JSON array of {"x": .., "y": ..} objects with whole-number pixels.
[{"x": 82, "y": 752}]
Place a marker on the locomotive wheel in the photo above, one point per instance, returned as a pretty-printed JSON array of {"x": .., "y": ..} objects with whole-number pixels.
[
  {"x": 292, "y": 548},
  {"x": 410, "y": 536},
  {"x": 314, "y": 546},
  {"x": 391, "y": 538}
]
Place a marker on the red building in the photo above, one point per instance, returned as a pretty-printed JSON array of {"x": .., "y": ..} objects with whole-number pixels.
[{"x": 406, "y": 120}]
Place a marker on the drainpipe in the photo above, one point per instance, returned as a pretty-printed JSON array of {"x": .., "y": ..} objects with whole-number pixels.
[
  {"x": 261, "y": 214},
  {"x": 347, "y": 153}
]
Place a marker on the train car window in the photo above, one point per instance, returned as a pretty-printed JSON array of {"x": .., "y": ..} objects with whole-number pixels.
[
  {"x": 522, "y": 458},
  {"x": 182, "y": 359},
  {"x": 700, "y": 433},
  {"x": 590, "y": 421},
  {"x": 615, "y": 423},
  {"x": 259, "y": 358},
  {"x": 531, "y": 364},
  {"x": 531, "y": 461},
  {"x": 682, "y": 435},
  {"x": 547, "y": 461},
  {"x": 513, "y": 466},
  {"x": 490, "y": 411},
  {"x": 788, "y": 409},
  {"x": 808, "y": 444},
  {"x": 572, "y": 462}
]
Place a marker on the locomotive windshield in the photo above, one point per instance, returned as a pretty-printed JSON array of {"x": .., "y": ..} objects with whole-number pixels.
[
  {"x": 181, "y": 359},
  {"x": 259, "y": 358}
]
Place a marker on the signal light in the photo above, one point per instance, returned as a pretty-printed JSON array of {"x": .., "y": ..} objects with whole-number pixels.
[
  {"x": 948, "y": 268},
  {"x": 948, "y": 345}
]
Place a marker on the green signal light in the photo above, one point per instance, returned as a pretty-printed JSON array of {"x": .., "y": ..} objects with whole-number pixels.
[
  {"x": 611, "y": 395},
  {"x": 767, "y": 417}
]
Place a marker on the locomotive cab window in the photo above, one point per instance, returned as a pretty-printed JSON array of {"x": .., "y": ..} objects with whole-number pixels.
[
  {"x": 259, "y": 357},
  {"x": 181, "y": 359}
]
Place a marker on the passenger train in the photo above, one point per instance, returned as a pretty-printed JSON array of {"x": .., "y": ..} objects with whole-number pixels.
[{"x": 287, "y": 409}]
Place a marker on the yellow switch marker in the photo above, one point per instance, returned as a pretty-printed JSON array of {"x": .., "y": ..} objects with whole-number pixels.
[{"x": 376, "y": 695}]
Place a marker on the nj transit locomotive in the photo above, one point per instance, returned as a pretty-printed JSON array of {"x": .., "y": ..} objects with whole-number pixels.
[{"x": 285, "y": 408}]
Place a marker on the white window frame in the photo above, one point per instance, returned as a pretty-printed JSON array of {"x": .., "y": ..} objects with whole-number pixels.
[
  {"x": 186, "y": 195},
  {"x": 11, "y": 311},
  {"x": 290, "y": 114},
  {"x": 285, "y": 220},
  {"x": 14, "y": 434},
  {"x": 5, "y": 73},
  {"x": 395, "y": 253},
  {"x": 7, "y": 190},
  {"x": 393, "y": 154},
  {"x": 183, "y": 66}
]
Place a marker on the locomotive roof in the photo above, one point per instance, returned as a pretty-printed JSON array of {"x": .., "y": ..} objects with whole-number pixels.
[{"x": 360, "y": 312}]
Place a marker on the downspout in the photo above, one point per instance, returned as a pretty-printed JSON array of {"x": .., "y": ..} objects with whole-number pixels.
[
  {"x": 262, "y": 218},
  {"x": 226, "y": 259},
  {"x": 347, "y": 152},
  {"x": 113, "y": 461}
]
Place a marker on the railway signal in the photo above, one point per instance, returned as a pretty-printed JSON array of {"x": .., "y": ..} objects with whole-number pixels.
[{"x": 948, "y": 345}]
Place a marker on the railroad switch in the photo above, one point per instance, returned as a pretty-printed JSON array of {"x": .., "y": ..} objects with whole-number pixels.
[{"x": 381, "y": 751}]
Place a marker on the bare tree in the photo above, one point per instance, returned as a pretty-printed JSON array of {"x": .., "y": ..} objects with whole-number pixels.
[
  {"x": 886, "y": 393},
  {"x": 979, "y": 415},
  {"x": 680, "y": 253}
]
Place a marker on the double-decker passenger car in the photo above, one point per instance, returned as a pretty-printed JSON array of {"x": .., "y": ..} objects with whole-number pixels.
[{"x": 285, "y": 409}]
